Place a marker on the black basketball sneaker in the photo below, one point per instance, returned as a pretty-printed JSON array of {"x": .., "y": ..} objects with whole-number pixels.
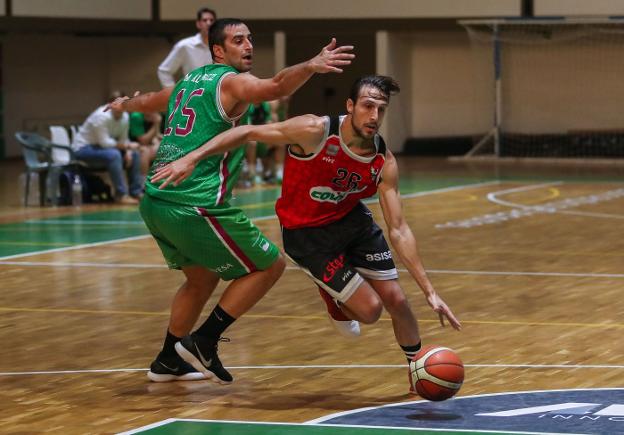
[
  {"x": 172, "y": 368},
  {"x": 201, "y": 353}
]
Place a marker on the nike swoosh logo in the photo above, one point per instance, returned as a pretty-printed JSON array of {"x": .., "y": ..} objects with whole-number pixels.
[
  {"x": 201, "y": 357},
  {"x": 170, "y": 368}
]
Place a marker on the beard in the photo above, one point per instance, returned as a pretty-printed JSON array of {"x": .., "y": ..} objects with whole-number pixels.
[{"x": 359, "y": 132}]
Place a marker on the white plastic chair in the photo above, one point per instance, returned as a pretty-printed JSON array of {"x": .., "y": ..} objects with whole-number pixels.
[{"x": 59, "y": 136}]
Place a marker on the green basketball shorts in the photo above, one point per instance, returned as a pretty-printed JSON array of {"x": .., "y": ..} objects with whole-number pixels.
[{"x": 222, "y": 239}]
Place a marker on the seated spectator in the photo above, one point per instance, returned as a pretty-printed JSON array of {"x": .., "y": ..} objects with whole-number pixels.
[
  {"x": 145, "y": 129},
  {"x": 102, "y": 141}
]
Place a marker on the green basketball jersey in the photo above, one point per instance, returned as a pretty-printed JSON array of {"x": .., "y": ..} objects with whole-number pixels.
[{"x": 195, "y": 116}]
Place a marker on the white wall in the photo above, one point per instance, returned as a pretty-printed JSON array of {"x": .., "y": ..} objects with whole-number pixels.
[
  {"x": 350, "y": 9},
  {"x": 445, "y": 88},
  {"x": 392, "y": 50},
  {"x": 578, "y": 7},
  {"x": 556, "y": 79},
  {"x": 574, "y": 85},
  {"x": 2, "y": 7},
  {"x": 442, "y": 93},
  {"x": 117, "y": 9},
  {"x": 547, "y": 86}
]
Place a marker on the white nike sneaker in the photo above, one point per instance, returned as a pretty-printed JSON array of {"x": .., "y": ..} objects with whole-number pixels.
[{"x": 346, "y": 328}]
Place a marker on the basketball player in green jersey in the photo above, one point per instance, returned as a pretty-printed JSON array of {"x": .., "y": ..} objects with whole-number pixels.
[{"x": 194, "y": 225}]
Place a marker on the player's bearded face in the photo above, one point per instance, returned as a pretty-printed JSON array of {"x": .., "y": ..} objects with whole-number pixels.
[
  {"x": 238, "y": 48},
  {"x": 368, "y": 112}
]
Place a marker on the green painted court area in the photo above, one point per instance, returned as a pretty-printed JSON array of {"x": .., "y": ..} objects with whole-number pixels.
[
  {"x": 38, "y": 235},
  {"x": 196, "y": 427},
  {"x": 80, "y": 228}
]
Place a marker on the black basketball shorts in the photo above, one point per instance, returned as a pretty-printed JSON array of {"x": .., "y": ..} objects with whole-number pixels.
[{"x": 340, "y": 255}]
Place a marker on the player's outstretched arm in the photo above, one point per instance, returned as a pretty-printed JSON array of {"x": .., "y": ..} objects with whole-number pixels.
[
  {"x": 144, "y": 103},
  {"x": 248, "y": 88},
  {"x": 404, "y": 242},
  {"x": 304, "y": 130}
]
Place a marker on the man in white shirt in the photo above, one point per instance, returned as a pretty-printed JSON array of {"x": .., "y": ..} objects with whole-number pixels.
[
  {"x": 189, "y": 53},
  {"x": 102, "y": 141}
]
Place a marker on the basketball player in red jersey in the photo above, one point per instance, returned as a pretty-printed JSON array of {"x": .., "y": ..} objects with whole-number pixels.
[{"x": 327, "y": 231}]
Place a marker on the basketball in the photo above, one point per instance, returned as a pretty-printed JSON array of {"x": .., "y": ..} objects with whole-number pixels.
[{"x": 436, "y": 373}]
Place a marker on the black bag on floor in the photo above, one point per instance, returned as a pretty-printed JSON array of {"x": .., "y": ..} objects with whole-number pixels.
[
  {"x": 94, "y": 189},
  {"x": 66, "y": 178}
]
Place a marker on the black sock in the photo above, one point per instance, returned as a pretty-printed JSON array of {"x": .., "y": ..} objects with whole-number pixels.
[
  {"x": 217, "y": 322},
  {"x": 410, "y": 351},
  {"x": 168, "y": 347}
]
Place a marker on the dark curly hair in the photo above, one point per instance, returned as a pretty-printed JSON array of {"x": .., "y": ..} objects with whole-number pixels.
[{"x": 386, "y": 85}]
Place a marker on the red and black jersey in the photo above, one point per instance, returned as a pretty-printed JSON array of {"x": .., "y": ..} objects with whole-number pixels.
[{"x": 324, "y": 186}]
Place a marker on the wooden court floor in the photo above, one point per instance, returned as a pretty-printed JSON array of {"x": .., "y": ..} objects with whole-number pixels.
[{"x": 530, "y": 258}]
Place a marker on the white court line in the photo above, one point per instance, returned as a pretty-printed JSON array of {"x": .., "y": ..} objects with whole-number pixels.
[
  {"x": 521, "y": 210},
  {"x": 438, "y": 271},
  {"x": 442, "y": 190},
  {"x": 492, "y": 196},
  {"x": 311, "y": 423},
  {"x": 104, "y": 222},
  {"x": 512, "y": 273},
  {"x": 81, "y": 222},
  {"x": 148, "y": 427},
  {"x": 260, "y": 218},
  {"x": 327, "y": 367},
  {"x": 589, "y": 214},
  {"x": 71, "y": 248},
  {"x": 96, "y": 265},
  {"x": 551, "y": 207}
]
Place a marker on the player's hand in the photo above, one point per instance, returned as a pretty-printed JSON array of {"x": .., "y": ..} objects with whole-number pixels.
[
  {"x": 174, "y": 172},
  {"x": 438, "y": 305},
  {"x": 117, "y": 104},
  {"x": 332, "y": 58}
]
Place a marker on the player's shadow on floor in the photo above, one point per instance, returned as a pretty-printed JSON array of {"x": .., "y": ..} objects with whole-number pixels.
[
  {"x": 433, "y": 416},
  {"x": 261, "y": 398},
  {"x": 325, "y": 401}
]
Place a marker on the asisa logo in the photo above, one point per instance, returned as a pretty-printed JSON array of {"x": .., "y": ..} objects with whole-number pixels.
[
  {"x": 379, "y": 256},
  {"x": 588, "y": 411},
  {"x": 327, "y": 194}
]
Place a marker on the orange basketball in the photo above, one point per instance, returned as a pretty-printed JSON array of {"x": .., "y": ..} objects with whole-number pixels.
[{"x": 436, "y": 373}]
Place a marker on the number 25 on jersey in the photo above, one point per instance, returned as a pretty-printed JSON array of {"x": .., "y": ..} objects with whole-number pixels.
[{"x": 183, "y": 114}]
